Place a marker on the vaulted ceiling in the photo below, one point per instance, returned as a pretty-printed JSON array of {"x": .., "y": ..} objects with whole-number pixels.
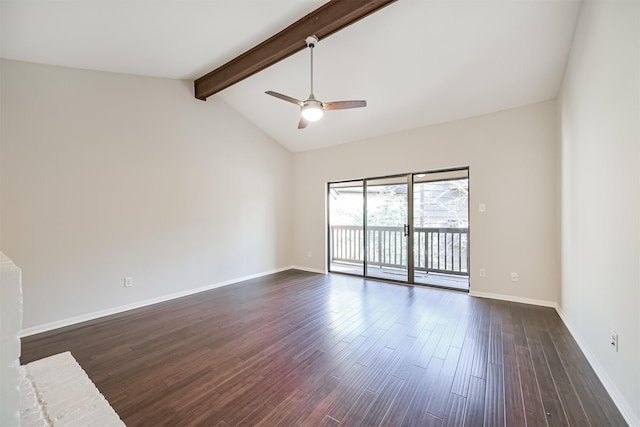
[{"x": 416, "y": 62}]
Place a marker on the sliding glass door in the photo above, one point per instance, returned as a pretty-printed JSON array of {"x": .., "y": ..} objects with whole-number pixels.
[
  {"x": 410, "y": 228},
  {"x": 387, "y": 228},
  {"x": 441, "y": 229}
]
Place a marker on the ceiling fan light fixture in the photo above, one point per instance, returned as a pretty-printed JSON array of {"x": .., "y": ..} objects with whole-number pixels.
[{"x": 312, "y": 112}]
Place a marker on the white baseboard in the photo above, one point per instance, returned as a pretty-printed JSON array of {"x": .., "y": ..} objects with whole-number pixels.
[
  {"x": 107, "y": 312},
  {"x": 511, "y": 298},
  {"x": 627, "y": 412}
]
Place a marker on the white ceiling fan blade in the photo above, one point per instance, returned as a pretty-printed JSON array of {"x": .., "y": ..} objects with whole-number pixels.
[
  {"x": 285, "y": 97},
  {"x": 343, "y": 105}
]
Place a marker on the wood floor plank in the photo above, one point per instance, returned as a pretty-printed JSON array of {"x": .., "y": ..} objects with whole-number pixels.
[
  {"x": 570, "y": 401},
  {"x": 494, "y": 397},
  {"x": 377, "y": 381},
  {"x": 464, "y": 324},
  {"x": 411, "y": 356},
  {"x": 360, "y": 408},
  {"x": 322, "y": 388},
  {"x": 513, "y": 397},
  {"x": 341, "y": 396},
  {"x": 417, "y": 408},
  {"x": 283, "y": 410},
  {"x": 442, "y": 386},
  {"x": 297, "y": 348},
  {"x": 430, "y": 346},
  {"x": 361, "y": 383},
  {"x": 474, "y": 410},
  {"x": 550, "y": 398},
  {"x": 495, "y": 337},
  {"x": 480, "y": 354},
  {"x": 399, "y": 406},
  {"x": 519, "y": 334},
  {"x": 454, "y": 415},
  {"x": 447, "y": 338},
  {"x": 530, "y": 390},
  {"x": 382, "y": 403},
  {"x": 258, "y": 414},
  {"x": 462, "y": 376}
]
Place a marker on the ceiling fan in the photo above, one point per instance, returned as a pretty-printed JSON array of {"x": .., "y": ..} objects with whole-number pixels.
[{"x": 312, "y": 109}]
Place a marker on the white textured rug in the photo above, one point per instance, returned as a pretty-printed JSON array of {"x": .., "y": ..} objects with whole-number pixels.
[{"x": 55, "y": 392}]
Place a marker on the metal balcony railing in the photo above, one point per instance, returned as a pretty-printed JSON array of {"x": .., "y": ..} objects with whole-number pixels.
[{"x": 436, "y": 250}]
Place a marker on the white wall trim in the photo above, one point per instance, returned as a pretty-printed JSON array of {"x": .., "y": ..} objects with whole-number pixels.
[
  {"x": 512, "y": 298},
  {"x": 617, "y": 397},
  {"x": 107, "y": 312}
]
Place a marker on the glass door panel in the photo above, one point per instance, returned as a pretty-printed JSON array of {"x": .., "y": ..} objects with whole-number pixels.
[
  {"x": 346, "y": 229},
  {"x": 387, "y": 228},
  {"x": 441, "y": 229}
]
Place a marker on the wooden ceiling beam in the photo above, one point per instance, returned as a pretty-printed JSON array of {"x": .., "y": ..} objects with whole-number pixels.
[{"x": 322, "y": 22}]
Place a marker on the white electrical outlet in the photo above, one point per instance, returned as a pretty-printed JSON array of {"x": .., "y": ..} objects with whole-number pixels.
[
  {"x": 614, "y": 340},
  {"x": 482, "y": 207},
  {"x": 128, "y": 282},
  {"x": 514, "y": 277},
  {"x": 483, "y": 272}
]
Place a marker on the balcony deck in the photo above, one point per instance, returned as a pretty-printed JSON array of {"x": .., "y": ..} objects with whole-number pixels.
[{"x": 421, "y": 278}]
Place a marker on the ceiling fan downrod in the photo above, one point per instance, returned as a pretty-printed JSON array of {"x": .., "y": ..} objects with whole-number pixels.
[{"x": 311, "y": 43}]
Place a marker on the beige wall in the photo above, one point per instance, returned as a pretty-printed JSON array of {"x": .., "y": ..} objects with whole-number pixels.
[
  {"x": 512, "y": 156},
  {"x": 106, "y": 175},
  {"x": 600, "y": 131}
]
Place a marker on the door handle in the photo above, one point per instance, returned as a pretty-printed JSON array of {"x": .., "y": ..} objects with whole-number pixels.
[{"x": 406, "y": 230}]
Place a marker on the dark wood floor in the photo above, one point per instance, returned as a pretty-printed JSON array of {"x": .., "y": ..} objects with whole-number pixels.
[{"x": 297, "y": 348}]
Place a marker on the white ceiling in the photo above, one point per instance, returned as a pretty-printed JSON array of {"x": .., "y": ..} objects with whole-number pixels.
[{"x": 416, "y": 62}]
